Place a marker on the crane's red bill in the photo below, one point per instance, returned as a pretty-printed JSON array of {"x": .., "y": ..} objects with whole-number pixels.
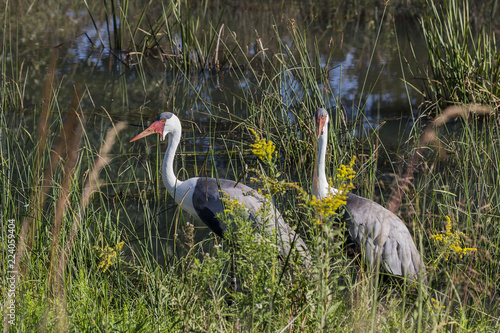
[
  {"x": 156, "y": 127},
  {"x": 320, "y": 123}
]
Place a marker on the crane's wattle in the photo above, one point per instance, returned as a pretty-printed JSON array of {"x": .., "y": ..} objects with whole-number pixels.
[
  {"x": 155, "y": 128},
  {"x": 320, "y": 124}
]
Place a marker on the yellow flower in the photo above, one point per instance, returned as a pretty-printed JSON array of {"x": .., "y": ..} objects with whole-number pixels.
[
  {"x": 108, "y": 255},
  {"x": 316, "y": 221},
  {"x": 448, "y": 225},
  {"x": 329, "y": 205},
  {"x": 346, "y": 172},
  {"x": 452, "y": 241},
  {"x": 436, "y": 304},
  {"x": 232, "y": 205},
  {"x": 263, "y": 149}
]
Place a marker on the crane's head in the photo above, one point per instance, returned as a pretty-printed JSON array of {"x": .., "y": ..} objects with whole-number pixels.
[
  {"x": 321, "y": 117},
  {"x": 165, "y": 123}
]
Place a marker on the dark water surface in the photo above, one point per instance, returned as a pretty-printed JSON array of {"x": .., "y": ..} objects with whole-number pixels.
[{"x": 366, "y": 69}]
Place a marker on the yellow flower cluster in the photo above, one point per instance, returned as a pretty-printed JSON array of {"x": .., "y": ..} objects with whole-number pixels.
[
  {"x": 108, "y": 255},
  {"x": 232, "y": 204},
  {"x": 436, "y": 304},
  {"x": 452, "y": 241},
  {"x": 263, "y": 149},
  {"x": 329, "y": 205},
  {"x": 346, "y": 172}
]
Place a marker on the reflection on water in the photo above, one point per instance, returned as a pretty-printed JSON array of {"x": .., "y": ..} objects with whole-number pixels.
[{"x": 363, "y": 71}]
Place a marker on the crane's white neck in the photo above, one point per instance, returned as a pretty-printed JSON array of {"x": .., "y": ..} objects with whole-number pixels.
[
  {"x": 320, "y": 185},
  {"x": 169, "y": 178}
]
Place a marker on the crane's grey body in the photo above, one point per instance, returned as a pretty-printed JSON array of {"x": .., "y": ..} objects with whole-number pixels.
[
  {"x": 380, "y": 234},
  {"x": 201, "y": 196}
]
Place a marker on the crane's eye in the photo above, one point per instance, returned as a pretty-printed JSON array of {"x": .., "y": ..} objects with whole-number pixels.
[{"x": 163, "y": 120}]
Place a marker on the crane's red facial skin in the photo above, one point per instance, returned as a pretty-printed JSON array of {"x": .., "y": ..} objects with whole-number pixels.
[
  {"x": 320, "y": 123},
  {"x": 156, "y": 127}
]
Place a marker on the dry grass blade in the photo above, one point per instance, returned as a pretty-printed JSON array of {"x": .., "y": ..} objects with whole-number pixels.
[
  {"x": 27, "y": 233},
  {"x": 68, "y": 142},
  {"x": 92, "y": 185},
  {"x": 429, "y": 137}
]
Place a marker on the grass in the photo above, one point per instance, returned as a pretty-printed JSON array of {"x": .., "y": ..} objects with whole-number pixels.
[
  {"x": 106, "y": 249},
  {"x": 464, "y": 63}
]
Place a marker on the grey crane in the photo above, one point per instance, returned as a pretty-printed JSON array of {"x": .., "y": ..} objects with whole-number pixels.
[{"x": 381, "y": 235}]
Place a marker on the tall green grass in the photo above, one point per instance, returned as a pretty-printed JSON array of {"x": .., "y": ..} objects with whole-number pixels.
[
  {"x": 170, "y": 275},
  {"x": 464, "y": 62}
]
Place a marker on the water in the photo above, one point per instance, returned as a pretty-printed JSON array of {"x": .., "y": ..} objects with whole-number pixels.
[{"x": 357, "y": 60}]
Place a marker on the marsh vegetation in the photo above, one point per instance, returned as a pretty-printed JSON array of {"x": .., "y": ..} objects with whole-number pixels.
[{"x": 94, "y": 242}]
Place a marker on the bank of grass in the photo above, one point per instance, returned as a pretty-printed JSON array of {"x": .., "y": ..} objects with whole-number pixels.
[{"x": 135, "y": 263}]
